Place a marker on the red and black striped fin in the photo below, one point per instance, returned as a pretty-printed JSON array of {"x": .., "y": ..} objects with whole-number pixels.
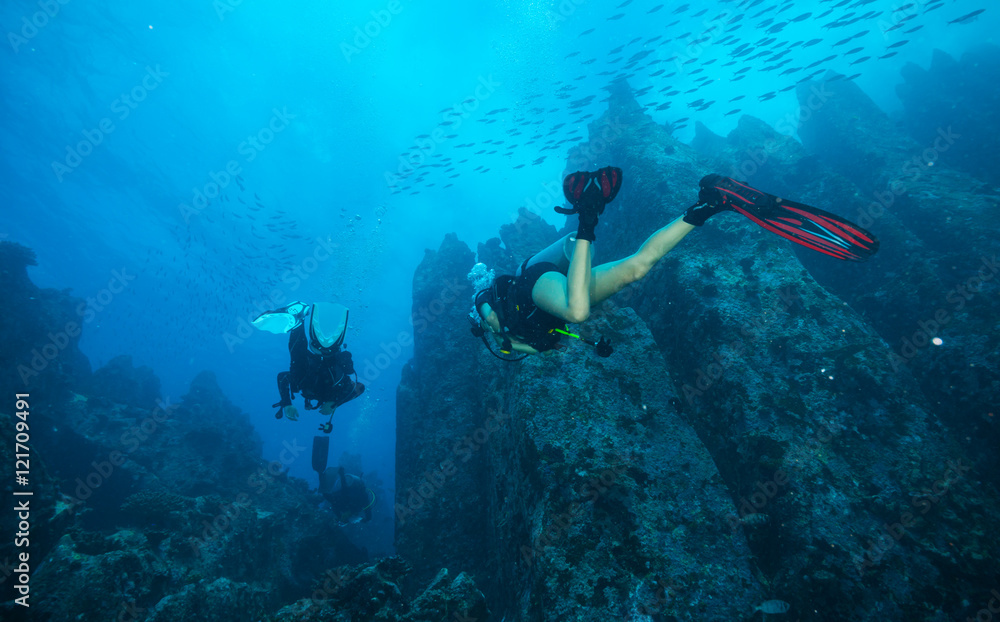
[
  {"x": 574, "y": 185},
  {"x": 809, "y": 226},
  {"x": 609, "y": 179},
  {"x": 815, "y": 229}
]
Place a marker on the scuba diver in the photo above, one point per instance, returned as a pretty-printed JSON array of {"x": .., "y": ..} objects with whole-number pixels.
[
  {"x": 349, "y": 498},
  {"x": 320, "y": 369},
  {"x": 528, "y": 312}
]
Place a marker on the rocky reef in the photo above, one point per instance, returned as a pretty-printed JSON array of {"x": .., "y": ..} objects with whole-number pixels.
[
  {"x": 757, "y": 434},
  {"x": 144, "y": 508},
  {"x": 959, "y": 97}
]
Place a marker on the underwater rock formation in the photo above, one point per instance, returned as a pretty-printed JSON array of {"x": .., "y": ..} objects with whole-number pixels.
[
  {"x": 39, "y": 333},
  {"x": 962, "y": 95},
  {"x": 436, "y": 404},
  {"x": 372, "y": 592},
  {"x": 781, "y": 375},
  {"x": 605, "y": 504},
  {"x": 946, "y": 217},
  {"x": 167, "y": 511},
  {"x": 951, "y": 211},
  {"x": 567, "y": 482},
  {"x": 823, "y": 475},
  {"x": 122, "y": 383}
]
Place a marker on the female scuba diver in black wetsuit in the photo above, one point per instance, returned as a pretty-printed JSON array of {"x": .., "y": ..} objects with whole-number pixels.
[
  {"x": 559, "y": 285},
  {"x": 528, "y": 312}
]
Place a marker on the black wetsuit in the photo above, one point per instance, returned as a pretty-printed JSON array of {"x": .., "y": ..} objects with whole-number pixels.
[
  {"x": 351, "y": 498},
  {"x": 525, "y": 321},
  {"x": 323, "y": 379}
]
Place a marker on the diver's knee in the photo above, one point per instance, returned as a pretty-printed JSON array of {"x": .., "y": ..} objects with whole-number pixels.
[{"x": 577, "y": 316}]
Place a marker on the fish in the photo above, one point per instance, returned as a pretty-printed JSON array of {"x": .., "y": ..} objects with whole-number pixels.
[
  {"x": 655, "y": 9},
  {"x": 731, "y": 112},
  {"x": 587, "y": 32},
  {"x": 624, "y": 4},
  {"x": 860, "y": 60},
  {"x": 898, "y": 44},
  {"x": 613, "y": 18},
  {"x": 571, "y": 55},
  {"x": 967, "y": 18},
  {"x": 889, "y": 55},
  {"x": 772, "y": 606}
]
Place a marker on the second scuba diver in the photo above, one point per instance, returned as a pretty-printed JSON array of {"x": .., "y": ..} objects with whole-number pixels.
[{"x": 320, "y": 368}]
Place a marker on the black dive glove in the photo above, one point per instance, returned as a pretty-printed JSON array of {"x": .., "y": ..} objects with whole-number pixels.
[
  {"x": 711, "y": 200},
  {"x": 604, "y": 348},
  {"x": 588, "y": 193}
]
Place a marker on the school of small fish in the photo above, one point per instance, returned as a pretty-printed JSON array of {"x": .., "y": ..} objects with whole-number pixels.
[{"x": 697, "y": 47}]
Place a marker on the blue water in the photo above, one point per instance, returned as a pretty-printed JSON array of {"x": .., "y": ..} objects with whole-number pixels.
[{"x": 116, "y": 115}]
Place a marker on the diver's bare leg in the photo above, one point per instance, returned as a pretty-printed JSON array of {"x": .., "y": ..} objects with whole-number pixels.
[
  {"x": 558, "y": 253},
  {"x": 567, "y": 296},
  {"x": 610, "y": 278}
]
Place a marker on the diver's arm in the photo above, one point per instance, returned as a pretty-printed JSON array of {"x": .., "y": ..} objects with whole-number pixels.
[
  {"x": 515, "y": 345},
  {"x": 490, "y": 323}
]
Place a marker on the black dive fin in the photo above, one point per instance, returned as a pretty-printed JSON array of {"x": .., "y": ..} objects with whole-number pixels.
[
  {"x": 321, "y": 453},
  {"x": 811, "y": 227}
]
